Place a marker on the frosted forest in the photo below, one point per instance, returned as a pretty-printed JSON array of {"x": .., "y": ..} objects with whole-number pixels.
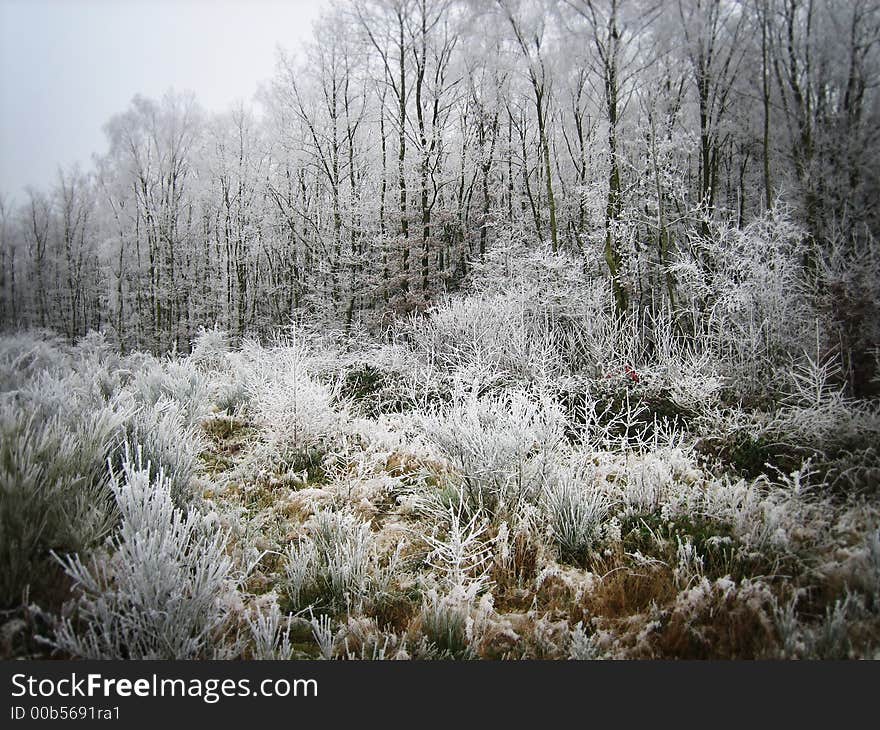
[{"x": 490, "y": 329}]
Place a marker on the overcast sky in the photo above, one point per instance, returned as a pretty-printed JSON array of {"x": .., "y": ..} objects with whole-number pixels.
[{"x": 66, "y": 66}]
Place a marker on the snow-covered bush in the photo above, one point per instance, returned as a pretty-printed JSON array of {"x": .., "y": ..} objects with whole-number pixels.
[
  {"x": 162, "y": 588},
  {"x": 53, "y": 495},
  {"x": 499, "y": 445},
  {"x": 583, "y": 646},
  {"x": 675, "y": 365},
  {"x": 532, "y": 316},
  {"x": 210, "y": 350},
  {"x": 61, "y": 419},
  {"x": 363, "y": 639},
  {"x": 817, "y": 412},
  {"x": 225, "y": 369},
  {"x": 53, "y": 468},
  {"x": 391, "y": 379},
  {"x": 24, "y": 355},
  {"x": 652, "y": 478},
  {"x": 286, "y": 400},
  {"x": 529, "y": 315},
  {"x": 490, "y": 334},
  {"x": 745, "y": 289},
  {"x": 761, "y": 517},
  {"x": 461, "y": 555}
]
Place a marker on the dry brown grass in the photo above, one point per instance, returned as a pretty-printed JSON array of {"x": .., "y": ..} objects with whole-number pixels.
[{"x": 625, "y": 591}]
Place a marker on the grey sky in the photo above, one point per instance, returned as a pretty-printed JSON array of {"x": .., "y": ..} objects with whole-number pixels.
[{"x": 66, "y": 66}]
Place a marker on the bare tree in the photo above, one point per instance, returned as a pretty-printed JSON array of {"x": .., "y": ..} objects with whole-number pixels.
[{"x": 529, "y": 34}]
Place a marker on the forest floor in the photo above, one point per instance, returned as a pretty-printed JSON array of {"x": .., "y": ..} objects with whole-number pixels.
[{"x": 694, "y": 553}]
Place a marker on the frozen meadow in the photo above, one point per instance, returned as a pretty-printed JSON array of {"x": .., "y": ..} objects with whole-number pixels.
[{"x": 517, "y": 474}]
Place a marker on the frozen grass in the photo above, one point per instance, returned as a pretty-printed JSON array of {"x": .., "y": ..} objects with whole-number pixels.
[
  {"x": 52, "y": 497},
  {"x": 269, "y": 633},
  {"x": 336, "y": 564},
  {"x": 519, "y": 473},
  {"x": 161, "y": 588},
  {"x": 575, "y": 510}
]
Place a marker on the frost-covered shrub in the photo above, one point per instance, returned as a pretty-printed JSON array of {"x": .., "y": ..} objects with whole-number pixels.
[
  {"x": 519, "y": 334},
  {"x": 789, "y": 628},
  {"x": 461, "y": 555},
  {"x": 583, "y": 646},
  {"x": 761, "y": 517},
  {"x": 814, "y": 420},
  {"x": 293, "y": 408},
  {"x": 97, "y": 367},
  {"x": 60, "y": 424},
  {"x": 486, "y": 333},
  {"x": 745, "y": 289},
  {"x": 162, "y": 588},
  {"x": 299, "y": 411},
  {"x": 210, "y": 349},
  {"x": 530, "y": 314},
  {"x": 735, "y": 617},
  {"x": 830, "y": 638},
  {"x": 655, "y": 392},
  {"x": 445, "y": 624},
  {"x": 392, "y": 379},
  {"x": 226, "y": 370},
  {"x": 498, "y": 445},
  {"x": 675, "y": 365},
  {"x": 608, "y": 414},
  {"x": 335, "y": 564},
  {"x": 816, "y": 411},
  {"x": 515, "y": 260},
  {"x": 81, "y": 414},
  {"x": 650, "y": 479},
  {"x": 76, "y": 393},
  {"x": 52, "y": 376},
  {"x": 363, "y": 639},
  {"x": 95, "y": 347},
  {"x": 230, "y": 391}
]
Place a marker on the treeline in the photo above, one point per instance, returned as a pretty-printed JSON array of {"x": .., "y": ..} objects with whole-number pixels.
[{"x": 383, "y": 161}]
